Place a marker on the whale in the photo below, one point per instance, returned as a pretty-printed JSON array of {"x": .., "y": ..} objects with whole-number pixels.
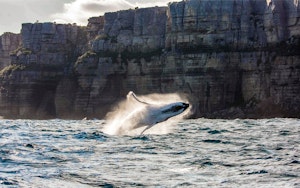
[{"x": 148, "y": 114}]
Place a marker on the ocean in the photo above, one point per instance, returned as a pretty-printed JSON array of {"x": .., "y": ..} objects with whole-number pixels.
[{"x": 195, "y": 153}]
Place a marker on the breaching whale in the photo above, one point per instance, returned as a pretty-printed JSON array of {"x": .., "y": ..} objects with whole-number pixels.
[{"x": 150, "y": 114}]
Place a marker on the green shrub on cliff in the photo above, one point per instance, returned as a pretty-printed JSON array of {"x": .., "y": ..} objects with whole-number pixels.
[
  {"x": 86, "y": 55},
  {"x": 21, "y": 50},
  {"x": 10, "y": 69},
  {"x": 101, "y": 37}
]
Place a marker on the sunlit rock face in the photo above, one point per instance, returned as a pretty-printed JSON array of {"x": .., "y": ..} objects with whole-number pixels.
[
  {"x": 232, "y": 59},
  {"x": 139, "y": 30}
]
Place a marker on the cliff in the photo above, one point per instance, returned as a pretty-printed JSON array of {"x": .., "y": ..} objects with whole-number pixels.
[
  {"x": 232, "y": 59},
  {"x": 28, "y": 85},
  {"x": 248, "y": 52},
  {"x": 8, "y": 43}
]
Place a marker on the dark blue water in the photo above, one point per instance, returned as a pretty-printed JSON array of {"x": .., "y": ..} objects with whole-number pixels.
[{"x": 198, "y": 153}]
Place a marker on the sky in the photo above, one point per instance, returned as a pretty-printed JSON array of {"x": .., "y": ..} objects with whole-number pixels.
[{"x": 15, "y": 12}]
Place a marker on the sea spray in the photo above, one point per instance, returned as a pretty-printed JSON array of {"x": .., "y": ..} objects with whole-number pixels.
[{"x": 125, "y": 116}]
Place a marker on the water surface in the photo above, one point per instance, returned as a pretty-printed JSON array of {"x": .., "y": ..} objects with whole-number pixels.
[{"x": 198, "y": 153}]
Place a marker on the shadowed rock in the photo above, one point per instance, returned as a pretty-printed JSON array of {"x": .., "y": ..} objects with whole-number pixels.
[{"x": 232, "y": 58}]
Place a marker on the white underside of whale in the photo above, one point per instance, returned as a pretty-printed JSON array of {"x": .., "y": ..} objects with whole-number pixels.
[{"x": 145, "y": 115}]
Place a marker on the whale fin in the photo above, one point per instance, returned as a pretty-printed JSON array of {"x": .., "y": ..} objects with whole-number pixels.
[
  {"x": 135, "y": 97},
  {"x": 148, "y": 127}
]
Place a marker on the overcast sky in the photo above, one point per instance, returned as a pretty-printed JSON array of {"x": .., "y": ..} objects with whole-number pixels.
[{"x": 15, "y": 12}]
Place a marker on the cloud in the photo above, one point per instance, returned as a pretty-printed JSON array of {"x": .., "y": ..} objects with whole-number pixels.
[
  {"x": 80, "y": 10},
  {"x": 152, "y": 3},
  {"x": 16, "y": 12}
]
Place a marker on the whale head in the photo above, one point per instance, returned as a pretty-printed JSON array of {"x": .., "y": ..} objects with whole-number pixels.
[
  {"x": 170, "y": 110},
  {"x": 174, "y": 108}
]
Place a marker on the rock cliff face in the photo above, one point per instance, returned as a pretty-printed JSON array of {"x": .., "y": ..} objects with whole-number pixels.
[
  {"x": 230, "y": 58},
  {"x": 249, "y": 49},
  {"x": 8, "y": 43},
  {"x": 28, "y": 85}
]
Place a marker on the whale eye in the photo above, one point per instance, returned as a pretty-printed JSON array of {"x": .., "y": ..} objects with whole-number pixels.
[
  {"x": 173, "y": 109},
  {"x": 176, "y": 108}
]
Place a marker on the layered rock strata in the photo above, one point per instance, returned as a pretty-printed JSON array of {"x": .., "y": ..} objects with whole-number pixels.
[
  {"x": 231, "y": 59},
  {"x": 8, "y": 43},
  {"x": 29, "y": 84},
  {"x": 253, "y": 44}
]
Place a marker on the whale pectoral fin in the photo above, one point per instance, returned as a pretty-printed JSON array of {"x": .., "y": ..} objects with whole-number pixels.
[
  {"x": 144, "y": 130},
  {"x": 148, "y": 127},
  {"x": 135, "y": 97}
]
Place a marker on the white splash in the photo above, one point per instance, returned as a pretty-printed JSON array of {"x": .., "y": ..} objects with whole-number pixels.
[{"x": 127, "y": 115}]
